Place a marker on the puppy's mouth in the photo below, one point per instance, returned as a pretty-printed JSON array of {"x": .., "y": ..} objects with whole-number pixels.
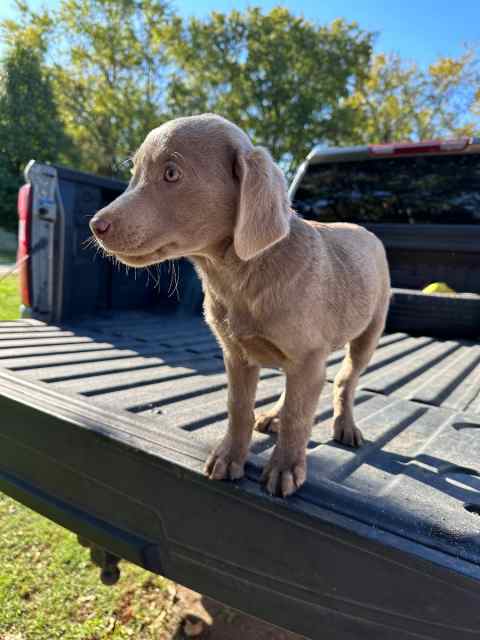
[
  {"x": 141, "y": 256},
  {"x": 145, "y": 259},
  {"x": 140, "y": 260}
]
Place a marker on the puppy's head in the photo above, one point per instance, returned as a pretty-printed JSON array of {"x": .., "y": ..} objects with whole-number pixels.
[{"x": 196, "y": 182}]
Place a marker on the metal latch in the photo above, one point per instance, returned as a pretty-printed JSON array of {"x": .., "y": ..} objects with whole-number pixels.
[
  {"x": 46, "y": 209},
  {"x": 108, "y": 562}
]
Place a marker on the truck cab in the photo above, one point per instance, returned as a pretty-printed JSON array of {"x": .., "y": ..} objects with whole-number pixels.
[{"x": 422, "y": 200}]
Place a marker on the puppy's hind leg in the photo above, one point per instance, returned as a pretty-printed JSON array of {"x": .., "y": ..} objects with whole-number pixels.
[
  {"x": 269, "y": 421},
  {"x": 359, "y": 353}
]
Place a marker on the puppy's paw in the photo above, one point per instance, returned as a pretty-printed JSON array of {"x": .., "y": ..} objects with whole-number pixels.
[
  {"x": 267, "y": 423},
  {"x": 226, "y": 462},
  {"x": 346, "y": 432},
  {"x": 285, "y": 472}
]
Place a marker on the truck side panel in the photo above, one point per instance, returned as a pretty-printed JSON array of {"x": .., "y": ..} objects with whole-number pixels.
[{"x": 70, "y": 278}]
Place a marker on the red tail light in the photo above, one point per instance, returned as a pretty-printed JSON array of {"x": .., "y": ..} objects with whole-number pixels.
[
  {"x": 24, "y": 209},
  {"x": 429, "y": 146}
]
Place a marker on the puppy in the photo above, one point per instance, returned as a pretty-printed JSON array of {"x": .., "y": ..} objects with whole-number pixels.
[{"x": 279, "y": 291}]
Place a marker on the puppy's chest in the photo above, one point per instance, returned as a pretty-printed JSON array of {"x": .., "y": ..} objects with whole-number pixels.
[
  {"x": 243, "y": 324},
  {"x": 257, "y": 346}
]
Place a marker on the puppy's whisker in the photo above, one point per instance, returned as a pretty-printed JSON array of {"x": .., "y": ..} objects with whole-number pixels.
[
  {"x": 174, "y": 278},
  {"x": 178, "y": 282},
  {"x": 149, "y": 275},
  {"x": 177, "y": 277},
  {"x": 171, "y": 278},
  {"x": 89, "y": 242},
  {"x": 158, "y": 279}
]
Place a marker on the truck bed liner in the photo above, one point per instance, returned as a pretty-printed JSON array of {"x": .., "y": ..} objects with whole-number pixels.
[{"x": 155, "y": 386}]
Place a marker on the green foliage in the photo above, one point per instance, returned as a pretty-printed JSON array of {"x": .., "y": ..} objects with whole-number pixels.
[
  {"x": 10, "y": 182},
  {"x": 85, "y": 82},
  {"x": 278, "y": 76},
  {"x": 399, "y": 101},
  {"x": 108, "y": 75},
  {"x": 29, "y": 29},
  {"x": 30, "y": 126},
  {"x": 29, "y": 121}
]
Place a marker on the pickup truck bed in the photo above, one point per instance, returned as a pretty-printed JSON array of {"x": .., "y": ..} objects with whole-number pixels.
[{"x": 380, "y": 543}]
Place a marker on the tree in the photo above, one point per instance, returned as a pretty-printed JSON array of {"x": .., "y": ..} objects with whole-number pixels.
[
  {"x": 453, "y": 93},
  {"x": 111, "y": 77},
  {"x": 399, "y": 101},
  {"x": 107, "y": 63},
  {"x": 119, "y": 68},
  {"x": 278, "y": 76},
  {"x": 30, "y": 126}
]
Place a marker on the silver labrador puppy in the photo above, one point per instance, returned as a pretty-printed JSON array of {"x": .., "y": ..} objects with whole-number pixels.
[{"x": 279, "y": 291}]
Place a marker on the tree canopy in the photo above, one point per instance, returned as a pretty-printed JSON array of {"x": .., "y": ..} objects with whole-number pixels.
[
  {"x": 278, "y": 76},
  {"x": 399, "y": 101},
  {"x": 110, "y": 77},
  {"x": 30, "y": 125},
  {"x": 83, "y": 83}
]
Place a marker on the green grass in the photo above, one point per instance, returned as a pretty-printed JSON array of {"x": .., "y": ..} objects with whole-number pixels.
[
  {"x": 9, "y": 300},
  {"x": 50, "y": 589}
]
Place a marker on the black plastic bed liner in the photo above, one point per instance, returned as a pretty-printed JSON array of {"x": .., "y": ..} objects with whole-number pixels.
[{"x": 105, "y": 426}]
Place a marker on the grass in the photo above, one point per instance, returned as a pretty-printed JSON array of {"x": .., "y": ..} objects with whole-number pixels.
[
  {"x": 9, "y": 301},
  {"x": 50, "y": 589}
]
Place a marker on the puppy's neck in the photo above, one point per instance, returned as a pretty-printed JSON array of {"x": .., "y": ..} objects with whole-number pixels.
[{"x": 217, "y": 258}]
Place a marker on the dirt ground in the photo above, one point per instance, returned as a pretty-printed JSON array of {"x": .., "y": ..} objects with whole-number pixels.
[{"x": 197, "y": 616}]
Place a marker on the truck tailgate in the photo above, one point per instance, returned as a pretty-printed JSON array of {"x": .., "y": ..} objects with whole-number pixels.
[{"x": 105, "y": 425}]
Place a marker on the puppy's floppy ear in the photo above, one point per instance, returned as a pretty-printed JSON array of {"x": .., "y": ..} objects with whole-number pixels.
[{"x": 263, "y": 216}]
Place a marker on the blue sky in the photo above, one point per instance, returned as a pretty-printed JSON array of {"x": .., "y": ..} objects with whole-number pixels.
[{"x": 420, "y": 30}]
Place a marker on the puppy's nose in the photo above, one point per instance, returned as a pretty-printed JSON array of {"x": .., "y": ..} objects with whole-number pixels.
[{"x": 100, "y": 226}]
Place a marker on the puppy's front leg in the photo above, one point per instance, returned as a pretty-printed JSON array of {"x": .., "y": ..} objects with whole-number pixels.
[
  {"x": 227, "y": 460},
  {"x": 286, "y": 470}
]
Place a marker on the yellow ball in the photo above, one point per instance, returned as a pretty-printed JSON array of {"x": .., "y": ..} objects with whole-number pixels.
[{"x": 438, "y": 287}]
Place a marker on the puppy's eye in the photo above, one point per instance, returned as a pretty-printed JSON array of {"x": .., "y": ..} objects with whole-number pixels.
[{"x": 172, "y": 173}]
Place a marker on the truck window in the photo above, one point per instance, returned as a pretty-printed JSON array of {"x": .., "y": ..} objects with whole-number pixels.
[{"x": 408, "y": 190}]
